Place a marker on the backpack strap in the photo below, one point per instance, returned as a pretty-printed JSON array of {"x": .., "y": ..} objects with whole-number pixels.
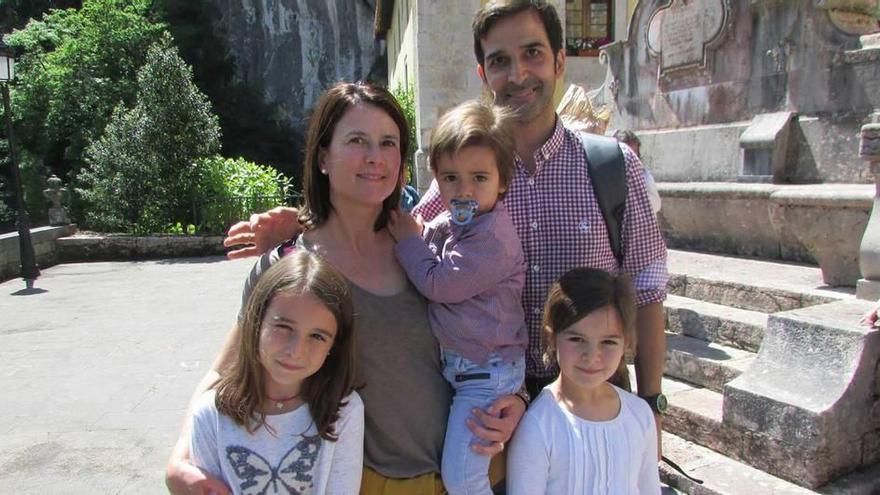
[{"x": 607, "y": 168}]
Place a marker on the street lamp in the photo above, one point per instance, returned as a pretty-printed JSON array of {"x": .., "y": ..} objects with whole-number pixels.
[{"x": 29, "y": 270}]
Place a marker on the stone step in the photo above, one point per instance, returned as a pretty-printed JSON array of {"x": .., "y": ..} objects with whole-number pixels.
[
  {"x": 724, "y": 476},
  {"x": 739, "y": 328},
  {"x": 695, "y": 415},
  {"x": 704, "y": 363},
  {"x": 752, "y": 284},
  {"x": 720, "y": 475},
  {"x": 694, "y": 425}
]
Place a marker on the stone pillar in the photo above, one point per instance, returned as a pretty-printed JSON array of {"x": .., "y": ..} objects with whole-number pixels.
[
  {"x": 54, "y": 193},
  {"x": 869, "y": 251},
  {"x": 444, "y": 68}
]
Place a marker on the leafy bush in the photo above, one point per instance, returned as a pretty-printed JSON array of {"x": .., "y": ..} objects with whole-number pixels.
[
  {"x": 232, "y": 189},
  {"x": 143, "y": 173},
  {"x": 406, "y": 96}
]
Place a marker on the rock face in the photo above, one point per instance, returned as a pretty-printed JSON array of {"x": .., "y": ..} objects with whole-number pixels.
[{"x": 290, "y": 51}]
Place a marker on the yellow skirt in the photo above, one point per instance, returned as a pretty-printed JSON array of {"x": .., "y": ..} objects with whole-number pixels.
[{"x": 374, "y": 483}]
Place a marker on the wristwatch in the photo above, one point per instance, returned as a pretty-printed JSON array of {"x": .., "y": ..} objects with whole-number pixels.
[{"x": 658, "y": 403}]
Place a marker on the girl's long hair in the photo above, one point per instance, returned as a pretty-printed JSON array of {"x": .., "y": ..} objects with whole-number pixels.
[
  {"x": 580, "y": 292},
  {"x": 240, "y": 390}
]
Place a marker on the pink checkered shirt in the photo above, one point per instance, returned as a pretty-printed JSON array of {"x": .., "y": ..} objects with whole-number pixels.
[{"x": 561, "y": 227}]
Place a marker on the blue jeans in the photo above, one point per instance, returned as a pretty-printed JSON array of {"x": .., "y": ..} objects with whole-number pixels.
[{"x": 476, "y": 386}]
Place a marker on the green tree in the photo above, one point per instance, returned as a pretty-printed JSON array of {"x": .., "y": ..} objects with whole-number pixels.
[
  {"x": 143, "y": 173},
  {"x": 75, "y": 67},
  {"x": 406, "y": 96}
]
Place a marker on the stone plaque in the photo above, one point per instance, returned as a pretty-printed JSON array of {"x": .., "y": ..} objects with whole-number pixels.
[{"x": 682, "y": 32}]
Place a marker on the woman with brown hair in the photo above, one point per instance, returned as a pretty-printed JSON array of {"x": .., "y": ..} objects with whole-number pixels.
[{"x": 353, "y": 173}]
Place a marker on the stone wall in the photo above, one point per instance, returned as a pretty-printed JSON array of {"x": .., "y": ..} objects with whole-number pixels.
[
  {"x": 401, "y": 46},
  {"x": 53, "y": 245},
  {"x": 122, "y": 247},
  {"x": 43, "y": 240}
]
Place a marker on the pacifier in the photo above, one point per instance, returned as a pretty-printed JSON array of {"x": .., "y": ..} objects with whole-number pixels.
[{"x": 462, "y": 211}]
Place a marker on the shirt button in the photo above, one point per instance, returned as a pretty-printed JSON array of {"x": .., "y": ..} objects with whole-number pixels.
[
  {"x": 536, "y": 268},
  {"x": 536, "y": 310},
  {"x": 534, "y": 225},
  {"x": 531, "y": 181}
]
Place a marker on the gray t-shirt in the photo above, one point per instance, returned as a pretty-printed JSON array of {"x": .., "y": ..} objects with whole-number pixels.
[{"x": 406, "y": 399}]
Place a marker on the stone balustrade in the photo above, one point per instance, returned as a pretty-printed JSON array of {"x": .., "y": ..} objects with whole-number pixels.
[{"x": 821, "y": 223}]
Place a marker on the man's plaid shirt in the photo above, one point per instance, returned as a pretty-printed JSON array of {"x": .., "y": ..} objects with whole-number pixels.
[{"x": 561, "y": 227}]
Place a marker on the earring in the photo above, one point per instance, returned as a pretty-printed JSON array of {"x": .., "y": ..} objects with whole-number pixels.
[{"x": 324, "y": 171}]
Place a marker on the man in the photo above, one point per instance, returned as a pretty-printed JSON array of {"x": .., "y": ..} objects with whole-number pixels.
[
  {"x": 520, "y": 59},
  {"x": 630, "y": 139}
]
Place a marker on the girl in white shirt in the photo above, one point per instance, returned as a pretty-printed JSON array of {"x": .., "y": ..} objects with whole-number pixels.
[
  {"x": 582, "y": 434},
  {"x": 284, "y": 418}
]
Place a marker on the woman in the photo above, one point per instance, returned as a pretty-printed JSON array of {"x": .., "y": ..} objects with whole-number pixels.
[{"x": 355, "y": 150}]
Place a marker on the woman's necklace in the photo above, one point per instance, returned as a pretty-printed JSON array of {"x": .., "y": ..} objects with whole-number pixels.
[{"x": 279, "y": 403}]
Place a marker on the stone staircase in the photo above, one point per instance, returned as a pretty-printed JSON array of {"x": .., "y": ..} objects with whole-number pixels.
[{"x": 717, "y": 315}]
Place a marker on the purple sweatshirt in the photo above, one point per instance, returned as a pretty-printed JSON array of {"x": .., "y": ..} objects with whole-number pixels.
[{"x": 473, "y": 277}]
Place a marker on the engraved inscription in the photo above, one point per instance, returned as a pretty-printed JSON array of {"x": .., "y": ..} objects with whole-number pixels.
[
  {"x": 682, "y": 32},
  {"x": 681, "y": 37}
]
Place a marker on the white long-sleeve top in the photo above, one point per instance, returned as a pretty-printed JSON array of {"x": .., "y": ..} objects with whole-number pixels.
[
  {"x": 293, "y": 460},
  {"x": 556, "y": 452}
]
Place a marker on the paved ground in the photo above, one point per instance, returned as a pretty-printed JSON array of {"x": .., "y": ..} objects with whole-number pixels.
[{"x": 96, "y": 371}]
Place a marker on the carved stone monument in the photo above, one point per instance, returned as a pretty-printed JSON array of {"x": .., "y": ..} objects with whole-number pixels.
[
  {"x": 707, "y": 68},
  {"x": 55, "y": 193}
]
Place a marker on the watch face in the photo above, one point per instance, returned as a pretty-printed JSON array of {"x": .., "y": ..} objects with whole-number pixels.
[{"x": 662, "y": 403}]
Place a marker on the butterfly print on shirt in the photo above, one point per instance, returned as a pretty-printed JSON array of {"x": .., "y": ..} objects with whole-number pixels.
[{"x": 292, "y": 475}]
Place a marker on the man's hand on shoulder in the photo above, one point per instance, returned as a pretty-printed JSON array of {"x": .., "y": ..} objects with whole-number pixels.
[{"x": 262, "y": 232}]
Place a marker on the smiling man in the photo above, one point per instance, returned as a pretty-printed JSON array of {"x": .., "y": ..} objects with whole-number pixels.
[{"x": 520, "y": 59}]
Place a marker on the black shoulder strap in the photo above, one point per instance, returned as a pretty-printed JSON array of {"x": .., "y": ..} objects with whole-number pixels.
[{"x": 607, "y": 169}]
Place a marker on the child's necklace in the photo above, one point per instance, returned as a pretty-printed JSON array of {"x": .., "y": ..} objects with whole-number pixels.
[{"x": 279, "y": 403}]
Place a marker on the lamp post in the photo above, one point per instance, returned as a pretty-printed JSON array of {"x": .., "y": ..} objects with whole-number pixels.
[{"x": 29, "y": 270}]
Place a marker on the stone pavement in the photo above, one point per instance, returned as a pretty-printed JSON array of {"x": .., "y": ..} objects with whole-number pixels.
[{"x": 96, "y": 371}]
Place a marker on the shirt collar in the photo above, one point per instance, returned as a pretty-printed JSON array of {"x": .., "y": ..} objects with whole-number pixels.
[{"x": 550, "y": 147}]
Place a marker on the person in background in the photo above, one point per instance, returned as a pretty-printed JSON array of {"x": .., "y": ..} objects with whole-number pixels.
[{"x": 630, "y": 139}]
